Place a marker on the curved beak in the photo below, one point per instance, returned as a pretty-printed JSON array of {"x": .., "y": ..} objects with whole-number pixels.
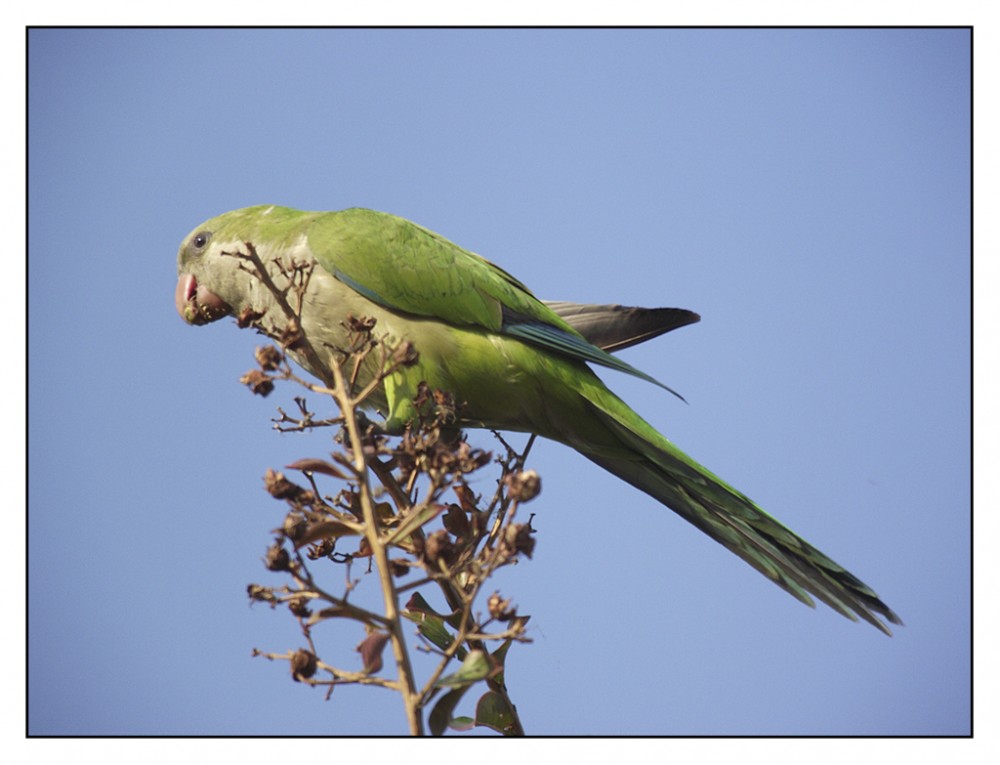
[{"x": 197, "y": 304}]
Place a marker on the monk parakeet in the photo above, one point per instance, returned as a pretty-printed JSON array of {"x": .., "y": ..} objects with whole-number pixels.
[{"x": 512, "y": 361}]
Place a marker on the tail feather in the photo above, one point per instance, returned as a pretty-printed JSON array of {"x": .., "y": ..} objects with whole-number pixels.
[
  {"x": 615, "y": 327},
  {"x": 654, "y": 465}
]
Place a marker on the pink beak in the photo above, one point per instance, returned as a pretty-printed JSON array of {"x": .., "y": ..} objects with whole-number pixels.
[{"x": 197, "y": 304}]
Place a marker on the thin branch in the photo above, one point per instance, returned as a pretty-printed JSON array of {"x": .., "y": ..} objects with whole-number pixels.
[{"x": 406, "y": 681}]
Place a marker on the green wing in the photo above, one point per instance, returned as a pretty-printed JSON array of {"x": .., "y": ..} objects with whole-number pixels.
[{"x": 407, "y": 268}]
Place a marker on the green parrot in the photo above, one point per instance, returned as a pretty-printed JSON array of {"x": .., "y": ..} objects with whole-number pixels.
[{"x": 513, "y": 362}]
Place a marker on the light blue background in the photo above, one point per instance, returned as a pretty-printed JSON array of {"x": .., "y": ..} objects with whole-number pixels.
[{"x": 806, "y": 191}]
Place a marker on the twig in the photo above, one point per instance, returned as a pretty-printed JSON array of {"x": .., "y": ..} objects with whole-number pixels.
[{"x": 407, "y": 685}]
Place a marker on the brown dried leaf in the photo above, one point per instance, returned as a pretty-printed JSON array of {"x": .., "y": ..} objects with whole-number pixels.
[
  {"x": 316, "y": 465},
  {"x": 371, "y": 651},
  {"x": 323, "y": 530},
  {"x": 466, "y": 497},
  {"x": 456, "y": 522}
]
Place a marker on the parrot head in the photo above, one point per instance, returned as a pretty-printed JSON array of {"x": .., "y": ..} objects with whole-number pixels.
[
  {"x": 213, "y": 282},
  {"x": 196, "y": 303},
  {"x": 203, "y": 272}
]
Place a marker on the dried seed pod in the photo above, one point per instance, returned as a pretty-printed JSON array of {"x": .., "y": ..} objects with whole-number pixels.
[{"x": 303, "y": 665}]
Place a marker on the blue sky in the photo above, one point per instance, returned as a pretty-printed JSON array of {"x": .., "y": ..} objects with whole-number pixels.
[{"x": 805, "y": 191}]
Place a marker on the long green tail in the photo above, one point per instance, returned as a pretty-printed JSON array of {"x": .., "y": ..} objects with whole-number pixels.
[{"x": 654, "y": 465}]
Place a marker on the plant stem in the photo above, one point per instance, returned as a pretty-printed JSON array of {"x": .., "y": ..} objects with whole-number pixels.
[{"x": 407, "y": 685}]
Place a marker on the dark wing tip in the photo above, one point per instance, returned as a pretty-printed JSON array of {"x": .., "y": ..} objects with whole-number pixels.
[{"x": 613, "y": 327}]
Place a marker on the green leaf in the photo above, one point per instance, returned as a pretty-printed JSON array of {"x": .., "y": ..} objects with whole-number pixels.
[
  {"x": 416, "y": 518},
  {"x": 477, "y": 666},
  {"x": 499, "y": 656},
  {"x": 418, "y": 603},
  {"x": 462, "y": 722},
  {"x": 440, "y": 716},
  {"x": 431, "y": 624},
  {"x": 493, "y": 711}
]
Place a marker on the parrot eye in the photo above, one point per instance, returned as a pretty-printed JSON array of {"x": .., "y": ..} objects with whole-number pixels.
[{"x": 200, "y": 239}]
